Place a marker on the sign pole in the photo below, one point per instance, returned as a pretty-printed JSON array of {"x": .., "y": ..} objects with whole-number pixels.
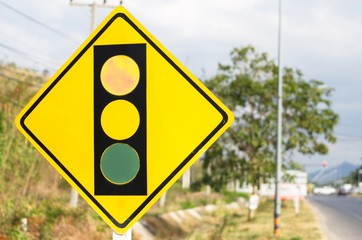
[
  {"x": 277, "y": 203},
  {"x": 126, "y": 236}
]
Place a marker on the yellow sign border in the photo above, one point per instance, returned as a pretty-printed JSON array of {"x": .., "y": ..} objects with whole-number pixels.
[{"x": 227, "y": 116}]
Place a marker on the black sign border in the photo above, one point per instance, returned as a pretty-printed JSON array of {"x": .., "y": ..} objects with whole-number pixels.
[{"x": 184, "y": 162}]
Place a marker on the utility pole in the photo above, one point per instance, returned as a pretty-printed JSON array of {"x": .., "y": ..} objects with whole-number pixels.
[
  {"x": 94, "y": 5},
  {"x": 278, "y": 168},
  {"x": 359, "y": 171}
]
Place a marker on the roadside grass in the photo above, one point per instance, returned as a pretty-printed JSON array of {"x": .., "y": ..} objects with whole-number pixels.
[
  {"x": 359, "y": 195},
  {"x": 178, "y": 198},
  {"x": 303, "y": 226},
  {"x": 226, "y": 224}
]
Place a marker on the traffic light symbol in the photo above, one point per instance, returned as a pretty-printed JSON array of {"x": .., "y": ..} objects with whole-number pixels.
[{"x": 120, "y": 166}]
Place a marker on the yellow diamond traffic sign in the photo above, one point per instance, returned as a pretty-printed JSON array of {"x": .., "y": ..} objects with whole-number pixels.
[{"x": 122, "y": 120}]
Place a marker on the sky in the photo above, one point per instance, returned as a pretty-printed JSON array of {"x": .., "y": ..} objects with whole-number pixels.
[{"x": 322, "y": 38}]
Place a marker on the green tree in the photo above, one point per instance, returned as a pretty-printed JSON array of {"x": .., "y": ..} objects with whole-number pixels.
[
  {"x": 248, "y": 85},
  {"x": 353, "y": 177},
  {"x": 292, "y": 165}
]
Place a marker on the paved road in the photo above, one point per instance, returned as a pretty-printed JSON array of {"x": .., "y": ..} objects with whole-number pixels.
[{"x": 340, "y": 217}]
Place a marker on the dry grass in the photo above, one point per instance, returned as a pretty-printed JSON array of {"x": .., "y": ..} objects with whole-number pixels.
[{"x": 224, "y": 224}]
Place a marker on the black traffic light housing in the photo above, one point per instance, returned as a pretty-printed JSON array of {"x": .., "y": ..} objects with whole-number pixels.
[{"x": 102, "y": 97}]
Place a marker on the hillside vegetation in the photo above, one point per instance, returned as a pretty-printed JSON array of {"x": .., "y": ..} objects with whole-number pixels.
[{"x": 30, "y": 188}]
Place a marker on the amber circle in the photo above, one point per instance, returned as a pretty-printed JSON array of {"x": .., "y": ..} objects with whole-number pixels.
[{"x": 120, "y": 75}]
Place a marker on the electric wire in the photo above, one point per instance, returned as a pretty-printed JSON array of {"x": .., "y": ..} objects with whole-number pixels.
[
  {"x": 59, "y": 33},
  {"x": 28, "y": 56},
  {"x": 25, "y": 43},
  {"x": 29, "y": 59},
  {"x": 45, "y": 59}
]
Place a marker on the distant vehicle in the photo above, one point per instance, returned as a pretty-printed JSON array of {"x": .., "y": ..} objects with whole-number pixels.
[
  {"x": 345, "y": 189},
  {"x": 325, "y": 190},
  {"x": 342, "y": 191}
]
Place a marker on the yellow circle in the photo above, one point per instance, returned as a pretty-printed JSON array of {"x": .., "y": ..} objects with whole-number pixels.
[
  {"x": 120, "y": 75},
  {"x": 120, "y": 119}
]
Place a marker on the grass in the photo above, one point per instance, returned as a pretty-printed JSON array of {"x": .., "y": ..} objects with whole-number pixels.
[
  {"x": 178, "y": 198},
  {"x": 226, "y": 224},
  {"x": 294, "y": 227}
]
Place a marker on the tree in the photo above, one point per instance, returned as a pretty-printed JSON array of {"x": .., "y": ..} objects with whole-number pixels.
[
  {"x": 292, "y": 165},
  {"x": 353, "y": 177},
  {"x": 248, "y": 85}
]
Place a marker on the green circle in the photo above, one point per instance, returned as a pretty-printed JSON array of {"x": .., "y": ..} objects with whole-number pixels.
[{"x": 120, "y": 163}]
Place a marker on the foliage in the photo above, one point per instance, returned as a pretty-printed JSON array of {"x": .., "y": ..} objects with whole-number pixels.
[
  {"x": 29, "y": 187},
  {"x": 288, "y": 178},
  {"x": 187, "y": 204},
  {"x": 17, "y": 158},
  {"x": 225, "y": 165},
  {"x": 249, "y": 87},
  {"x": 41, "y": 216},
  {"x": 293, "y": 165},
  {"x": 233, "y": 196},
  {"x": 353, "y": 177},
  {"x": 1, "y": 122}
]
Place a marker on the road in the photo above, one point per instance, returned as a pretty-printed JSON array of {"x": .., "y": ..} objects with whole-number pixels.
[{"x": 340, "y": 217}]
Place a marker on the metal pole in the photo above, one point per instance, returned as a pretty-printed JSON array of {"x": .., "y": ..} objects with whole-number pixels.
[
  {"x": 126, "y": 236},
  {"x": 359, "y": 178},
  {"x": 277, "y": 203},
  {"x": 93, "y": 7}
]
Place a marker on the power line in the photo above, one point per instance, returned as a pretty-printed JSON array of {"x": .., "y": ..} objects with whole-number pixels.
[
  {"x": 31, "y": 59},
  {"x": 62, "y": 34},
  {"x": 25, "y": 43},
  {"x": 20, "y": 52},
  {"x": 26, "y": 55},
  {"x": 12, "y": 49}
]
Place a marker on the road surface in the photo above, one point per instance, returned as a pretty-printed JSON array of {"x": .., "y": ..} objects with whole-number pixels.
[{"x": 340, "y": 217}]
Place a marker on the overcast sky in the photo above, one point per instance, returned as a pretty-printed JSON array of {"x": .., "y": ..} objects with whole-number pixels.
[{"x": 322, "y": 38}]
